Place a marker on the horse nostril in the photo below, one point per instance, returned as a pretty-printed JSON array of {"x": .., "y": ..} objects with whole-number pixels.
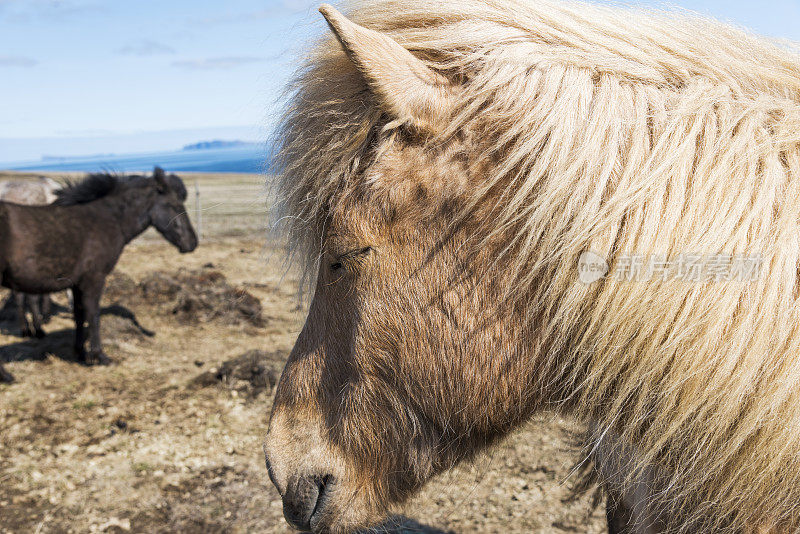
[{"x": 305, "y": 497}]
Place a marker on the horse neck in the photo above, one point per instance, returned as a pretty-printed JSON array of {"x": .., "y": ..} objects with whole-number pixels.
[{"x": 132, "y": 206}]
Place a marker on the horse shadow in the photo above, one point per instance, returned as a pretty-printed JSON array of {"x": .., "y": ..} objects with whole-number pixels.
[
  {"x": 9, "y": 323},
  {"x": 404, "y": 525},
  {"x": 58, "y": 343}
]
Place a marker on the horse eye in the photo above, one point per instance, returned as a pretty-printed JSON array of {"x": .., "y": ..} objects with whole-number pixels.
[{"x": 353, "y": 254}]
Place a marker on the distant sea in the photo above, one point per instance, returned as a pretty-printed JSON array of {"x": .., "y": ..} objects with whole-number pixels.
[{"x": 246, "y": 158}]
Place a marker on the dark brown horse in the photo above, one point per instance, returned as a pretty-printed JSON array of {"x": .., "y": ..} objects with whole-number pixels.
[{"x": 75, "y": 242}]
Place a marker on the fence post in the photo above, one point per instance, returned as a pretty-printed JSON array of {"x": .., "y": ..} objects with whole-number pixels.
[{"x": 198, "y": 210}]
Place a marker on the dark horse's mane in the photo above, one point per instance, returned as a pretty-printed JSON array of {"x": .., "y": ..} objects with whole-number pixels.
[
  {"x": 99, "y": 185},
  {"x": 93, "y": 187}
]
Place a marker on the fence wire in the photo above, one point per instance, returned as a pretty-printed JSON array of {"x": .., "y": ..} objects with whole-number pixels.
[{"x": 221, "y": 209}]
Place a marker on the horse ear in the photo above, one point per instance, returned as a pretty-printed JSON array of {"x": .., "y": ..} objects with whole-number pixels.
[
  {"x": 161, "y": 179},
  {"x": 405, "y": 87}
]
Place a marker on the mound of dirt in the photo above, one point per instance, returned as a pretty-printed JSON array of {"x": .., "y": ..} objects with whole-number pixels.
[
  {"x": 119, "y": 286},
  {"x": 249, "y": 374},
  {"x": 192, "y": 296}
]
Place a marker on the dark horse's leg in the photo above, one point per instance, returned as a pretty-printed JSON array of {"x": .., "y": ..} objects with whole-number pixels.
[
  {"x": 24, "y": 326},
  {"x": 629, "y": 507},
  {"x": 90, "y": 297},
  {"x": 46, "y": 307},
  {"x": 80, "y": 318},
  {"x": 34, "y": 305},
  {"x": 5, "y": 376},
  {"x": 624, "y": 516},
  {"x": 618, "y": 517}
]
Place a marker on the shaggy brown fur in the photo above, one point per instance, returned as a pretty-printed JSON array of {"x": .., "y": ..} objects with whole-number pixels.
[{"x": 567, "y": 127}]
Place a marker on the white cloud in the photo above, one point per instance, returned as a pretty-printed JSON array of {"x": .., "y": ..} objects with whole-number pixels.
[
  {"x": 300, "y": 5},
  {"x": 285, "y": 7},
  {"x": 145, "y": 47},
  {"x": 25, "y": 11},
  {"x": 17, "y": 61},
  {"x": 216, "y": 63}
]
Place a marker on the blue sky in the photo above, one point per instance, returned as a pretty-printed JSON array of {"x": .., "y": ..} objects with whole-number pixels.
[{"x": 95, "y": 76}]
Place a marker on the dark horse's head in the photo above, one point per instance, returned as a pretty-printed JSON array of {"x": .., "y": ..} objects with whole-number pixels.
[
  {"x": 168, "y": 213},
  {"x": 157, "y": 200}
]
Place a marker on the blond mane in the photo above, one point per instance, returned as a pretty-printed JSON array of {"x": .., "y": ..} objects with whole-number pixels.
[{"x": 619, "y": 131}]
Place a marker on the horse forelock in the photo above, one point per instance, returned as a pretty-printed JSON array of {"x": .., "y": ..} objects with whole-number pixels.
[
  {"x": 617, "y": 131},
  {"x": 177, "y": 185}
]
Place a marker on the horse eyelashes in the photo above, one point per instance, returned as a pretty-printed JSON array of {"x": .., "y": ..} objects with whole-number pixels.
[{"x": 349, "y": 255}]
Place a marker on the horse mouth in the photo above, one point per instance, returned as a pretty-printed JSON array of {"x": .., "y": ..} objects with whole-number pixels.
[
  {"x": 185, "y": 249},
  {"x": 305, "y": 501},
  {"x": 325, "y": 485}
]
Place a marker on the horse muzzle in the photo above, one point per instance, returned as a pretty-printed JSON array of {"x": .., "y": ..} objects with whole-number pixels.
[
  {"x": 187, "y": 245},
  {"x": 309, "y": 477}
]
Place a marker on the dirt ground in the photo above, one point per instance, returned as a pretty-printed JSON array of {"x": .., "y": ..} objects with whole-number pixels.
[{"x": 168, "y": 439}]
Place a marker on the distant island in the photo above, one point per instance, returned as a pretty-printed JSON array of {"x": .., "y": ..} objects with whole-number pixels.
[{"x": 217, "y": 143}]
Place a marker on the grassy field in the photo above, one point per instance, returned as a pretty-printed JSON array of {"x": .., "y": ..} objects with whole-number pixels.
[
  {"x": 229, "y": 204},
  {"x": 150, "y": 444}
]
